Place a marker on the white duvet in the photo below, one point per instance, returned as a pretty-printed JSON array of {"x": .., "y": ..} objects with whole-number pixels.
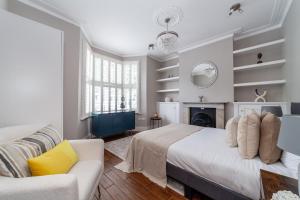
[{"x": 206, "y": 154}]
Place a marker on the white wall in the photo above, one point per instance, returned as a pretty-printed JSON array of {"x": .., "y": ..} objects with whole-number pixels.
[
  {"x": 31, "y": 71},
  {"x": 74, "y": 128},
  {"x": 219, "y": 53},
  {"x": 3, "y": 4},
  {"x": 291, "y": 31}
]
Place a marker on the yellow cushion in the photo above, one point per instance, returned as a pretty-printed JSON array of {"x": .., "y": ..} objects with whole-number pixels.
[{"x": 58, "y": 160}]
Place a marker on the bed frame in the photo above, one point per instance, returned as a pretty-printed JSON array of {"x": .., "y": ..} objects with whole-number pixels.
[{"x": 193, "y": 183}]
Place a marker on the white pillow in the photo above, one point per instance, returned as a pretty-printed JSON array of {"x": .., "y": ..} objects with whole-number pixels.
[{"x": 290, "y": 160}]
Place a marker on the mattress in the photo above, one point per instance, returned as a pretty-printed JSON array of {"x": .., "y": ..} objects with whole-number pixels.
[{"x": 206, "y": 154}]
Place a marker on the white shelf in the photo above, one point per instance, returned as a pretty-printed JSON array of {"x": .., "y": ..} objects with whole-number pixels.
[
  {"x": 168, "y": 90},
  {"x": 275, "y": 63},
  {"x": 168, "y": 79},
  {"x": 275, "y": 82},
  {"x": 168, "y": 68},
  {"x": 256, "y": 47}
]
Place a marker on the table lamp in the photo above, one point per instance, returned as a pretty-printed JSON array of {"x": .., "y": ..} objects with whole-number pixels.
[{"x": 289, "y": 137}]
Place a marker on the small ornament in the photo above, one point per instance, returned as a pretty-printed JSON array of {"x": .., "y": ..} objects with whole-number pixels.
[
  {"x": 167, "y": 99},
  {"x": 156, "y": 115},
  {"x": 122, "y": 105},
  {"x": 259, "y": 56},
  {"x": 260, "y": 97}
]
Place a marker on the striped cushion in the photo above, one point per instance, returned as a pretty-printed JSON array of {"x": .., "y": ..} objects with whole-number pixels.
[{"x": 14, "y": 155}]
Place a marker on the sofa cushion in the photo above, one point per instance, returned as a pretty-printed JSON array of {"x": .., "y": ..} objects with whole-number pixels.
[
  {"x": 88, "y": 173},
  {"x": 14, "y": 155},
  {"x": 231, "y": 130},
  {"x": 270, "y": 127},
  {"x": 58, "y": 160},
  {"x": 248, "y": 135}
]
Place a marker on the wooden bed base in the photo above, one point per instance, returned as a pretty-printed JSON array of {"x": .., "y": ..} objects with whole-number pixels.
[{"x": 193, "y": 182}]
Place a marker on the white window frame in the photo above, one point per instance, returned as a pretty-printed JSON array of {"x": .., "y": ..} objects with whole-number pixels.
[{"x": 95, "y": 83}]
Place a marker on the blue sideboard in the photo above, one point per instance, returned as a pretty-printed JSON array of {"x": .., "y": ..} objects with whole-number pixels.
[{"x": 109, "y": 124}]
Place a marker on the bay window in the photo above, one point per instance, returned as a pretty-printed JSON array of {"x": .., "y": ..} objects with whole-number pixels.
[{"x": 106, "y": 81}]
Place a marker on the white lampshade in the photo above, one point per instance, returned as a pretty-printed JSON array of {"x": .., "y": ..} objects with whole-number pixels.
[{"x": 289, "y": 136}]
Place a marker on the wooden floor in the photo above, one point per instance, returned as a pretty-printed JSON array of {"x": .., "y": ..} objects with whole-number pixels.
[{"x": 117, "y": 185}]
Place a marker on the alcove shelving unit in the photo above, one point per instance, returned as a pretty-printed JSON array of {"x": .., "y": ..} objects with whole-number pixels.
[
  {"x": 168, "y": 74},
  {"x": 168, "y": 81},
  {"x": 250, "y": 75}
]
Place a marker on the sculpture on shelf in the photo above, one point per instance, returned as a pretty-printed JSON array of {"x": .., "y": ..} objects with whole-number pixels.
[
  {"x": 168, "y": 99},
  {"x": 259, "y": 56},
  {"x": 122, "y": 105},
  {"x": 260, "y": 97}
]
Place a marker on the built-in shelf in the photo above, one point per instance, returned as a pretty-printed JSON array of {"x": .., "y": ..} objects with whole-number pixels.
[
  {"x": 176, "y": 78},
  {"x": 168, "y": 68},
  {"x": 168, "y": 90},
  {"x": 275, "y": 82},
  {"x": 256, "y": 47},
  {"x": 275, "y": 63}
]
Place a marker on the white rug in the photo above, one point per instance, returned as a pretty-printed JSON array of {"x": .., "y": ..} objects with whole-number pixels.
[{"x": 118, "y": 147}]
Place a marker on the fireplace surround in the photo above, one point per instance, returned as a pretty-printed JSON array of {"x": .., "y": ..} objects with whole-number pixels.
[{"x": 204, "y": 114}]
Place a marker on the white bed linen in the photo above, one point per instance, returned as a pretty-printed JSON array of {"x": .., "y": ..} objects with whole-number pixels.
[{"x": 206, "y": 154}]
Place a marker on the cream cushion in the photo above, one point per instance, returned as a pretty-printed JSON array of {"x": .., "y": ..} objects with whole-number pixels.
[
  {"x": 248, "y": 135},
  {"x": 231, "y": 131},
  {"x": 270, "y": 127}
]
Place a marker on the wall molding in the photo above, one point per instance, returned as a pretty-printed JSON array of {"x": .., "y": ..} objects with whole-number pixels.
[{"x": 207, "y": 42}]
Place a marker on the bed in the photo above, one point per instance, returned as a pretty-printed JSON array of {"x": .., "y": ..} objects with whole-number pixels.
[
  {"x": 204, "y": 162},
  {"x": 198, "y": 158}
]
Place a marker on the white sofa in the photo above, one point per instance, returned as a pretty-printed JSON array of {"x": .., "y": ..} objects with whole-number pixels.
[{"x": 79, "y": 184}]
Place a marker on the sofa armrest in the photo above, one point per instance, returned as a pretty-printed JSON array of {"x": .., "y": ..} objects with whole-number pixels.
[
  {"x": 90, "y": 149},
  {"x": 58, "y": 187}
]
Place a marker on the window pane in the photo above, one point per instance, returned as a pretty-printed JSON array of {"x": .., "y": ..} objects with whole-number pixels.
[
  {"x": 134, "y": 74},
  {"x": 133, "y": 99},
  {"x": 87, "y": 98},
  {"x": 97, "y": 98},
  {"x": 105, "y": 71},
  {"x": 105, "y": 99},
  {"x": 97, "y": 69},
  {"x": 119, "y": 74},
  {"x": 127, "y": 99},
  {"x": 112, "y": 99},
  {"x": 119, "y": 96},
  {"x": 113, "y": 72},
  {"x": 126, "y": 74},
  {"x": 89, "y": 66}
]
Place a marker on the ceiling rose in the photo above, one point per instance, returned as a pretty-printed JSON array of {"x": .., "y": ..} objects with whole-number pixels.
[{"x": 173, "y": 13}]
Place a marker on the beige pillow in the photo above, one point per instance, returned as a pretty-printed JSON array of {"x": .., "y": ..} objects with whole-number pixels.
[
  {"x": 269, "y": 131},
  {"x": 248, "y": 135},
  {"x": 231, "y": 130}
]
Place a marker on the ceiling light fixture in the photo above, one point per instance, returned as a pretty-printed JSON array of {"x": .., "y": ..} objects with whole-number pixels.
[
  {"x": 151, "y": 47},
  {"x": 234, "y": 8},
  {"x": 167, "y": 40}
]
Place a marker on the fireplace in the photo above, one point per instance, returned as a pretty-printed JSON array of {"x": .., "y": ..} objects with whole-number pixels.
[
  {"x": 205, "y": 117},
  {"x": 204, "y": 114}
]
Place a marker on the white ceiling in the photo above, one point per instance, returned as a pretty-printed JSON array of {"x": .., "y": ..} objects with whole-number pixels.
[{"x": 126, "y": 27}]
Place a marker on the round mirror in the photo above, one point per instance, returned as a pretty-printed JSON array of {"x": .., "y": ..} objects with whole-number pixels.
[{"x": 204, "y": 74}]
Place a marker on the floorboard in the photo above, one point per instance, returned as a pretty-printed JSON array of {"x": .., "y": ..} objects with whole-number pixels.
[{"x": 117, "y": 185}]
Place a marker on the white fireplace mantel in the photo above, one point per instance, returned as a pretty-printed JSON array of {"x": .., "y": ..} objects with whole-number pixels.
[{"x": 220, "y": 119}]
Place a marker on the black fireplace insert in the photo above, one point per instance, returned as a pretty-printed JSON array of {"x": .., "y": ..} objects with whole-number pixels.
[{"x": 205, "y": 117}]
